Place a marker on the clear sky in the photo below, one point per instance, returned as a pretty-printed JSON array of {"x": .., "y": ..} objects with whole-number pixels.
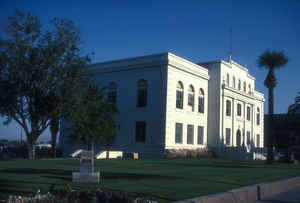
[{"x": 195, "y": 30}]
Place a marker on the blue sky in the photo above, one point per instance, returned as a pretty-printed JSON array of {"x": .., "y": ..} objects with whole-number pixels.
[{"x": 195, "y": 30}]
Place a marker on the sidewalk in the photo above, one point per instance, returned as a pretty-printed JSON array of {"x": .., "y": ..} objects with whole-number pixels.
[{"x": 291, "y": 196}]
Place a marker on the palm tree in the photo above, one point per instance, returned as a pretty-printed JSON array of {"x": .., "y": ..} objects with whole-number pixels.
[{"x": 271, "y": 60}]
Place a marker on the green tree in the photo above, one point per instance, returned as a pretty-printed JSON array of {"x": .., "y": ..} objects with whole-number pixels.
[
  {"x": 34, "y": 65},
  {"x": 66, "y": 94},
  {"x": 271, "y": 60},
  {"x": 92, "y": 118}
]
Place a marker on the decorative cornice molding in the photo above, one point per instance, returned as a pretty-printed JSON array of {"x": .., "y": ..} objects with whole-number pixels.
[
  {"x": 188, "y": 70},
  {"x": 239, "y": 94}
]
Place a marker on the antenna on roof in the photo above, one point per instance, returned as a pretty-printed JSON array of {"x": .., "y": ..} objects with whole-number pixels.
[{"x": 230, "y": 44}]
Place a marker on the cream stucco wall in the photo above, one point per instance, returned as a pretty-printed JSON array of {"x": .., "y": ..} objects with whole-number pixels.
[
  {"x": 189, "y": 74},
  {"x": 221, "y": 89}
]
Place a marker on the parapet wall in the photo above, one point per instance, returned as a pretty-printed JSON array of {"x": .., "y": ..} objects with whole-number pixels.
[{"x": 249, "y": 194}]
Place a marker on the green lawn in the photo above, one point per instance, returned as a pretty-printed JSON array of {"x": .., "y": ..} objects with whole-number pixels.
[{"x": 165, "y": 180}]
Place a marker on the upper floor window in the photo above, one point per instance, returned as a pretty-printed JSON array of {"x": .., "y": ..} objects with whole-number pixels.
[
  {"x": 201, "y": 101},
  {"x": 239, "y": 84},
  {"x": 191, "y": 97},
  {"x": 258, "y": 116},
  {"x": 248, "y": 113},
  {"x": 142, "y": 93},
  {"x": 179, "y": 95},
  {"x": 239, "y": 109},
  {"x": 228, "y": 108},
  {"x": 244, "y": 86},
  {"x": 233, "y": 82},
  {"x": 249, "y": 88},
  {"x": 112, "y": 93},
  {"x": 227, "y": 79}
]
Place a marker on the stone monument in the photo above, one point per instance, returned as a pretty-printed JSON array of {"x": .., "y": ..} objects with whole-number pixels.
[{"x": 86, "y": 173}]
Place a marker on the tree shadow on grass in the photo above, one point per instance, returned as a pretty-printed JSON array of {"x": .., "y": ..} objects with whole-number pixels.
[{"x": 134, "y": 176}]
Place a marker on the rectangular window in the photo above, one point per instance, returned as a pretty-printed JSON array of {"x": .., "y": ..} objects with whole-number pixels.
[
  {"x": 200, "y": 134},
  {"x": 142, "y": 98},
  {"x": 178, "y": 133},
  {"x": 228, "y": 108},
  {"x": 190, "y": 134},
  {"x": 257, "y": 118},
  {"x": 179, "y": 99},
  {"x": 248, "y": 113},
  {"x": 239, "y": 109},
  {"x": 228, "y": 135},
  {"x": 201, "y": 104},
  {"x": 248, "y": 138},
  {"x": 257, "y": 141},
  {"x": 140, "y": 131}
]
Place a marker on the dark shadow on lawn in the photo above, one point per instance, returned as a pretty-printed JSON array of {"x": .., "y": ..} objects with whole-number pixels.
[
  {"x": 134, "y": 176},
  {"x": 36, "y": 171},
  {"x": 212, "y": 165}
]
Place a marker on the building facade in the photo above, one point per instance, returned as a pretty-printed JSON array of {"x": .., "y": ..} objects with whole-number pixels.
[{"x": 167, "y": 102}]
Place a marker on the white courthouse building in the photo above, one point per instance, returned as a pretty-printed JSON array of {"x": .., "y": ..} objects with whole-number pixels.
[{"x": 168, "y": 102}]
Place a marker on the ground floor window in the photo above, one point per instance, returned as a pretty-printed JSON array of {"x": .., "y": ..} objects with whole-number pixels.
[
  {"x": 178, "y": 133},
  {"x": 238, "y": 138},
  {"x": 190, "y": 134},
  {"x": 257, "y": 140},
  {"x": 200, "y": 134},
  {"x": 228, "y": 133},
  {"x": 248, "y": 138},
  {"x": 140, "y": 131}
]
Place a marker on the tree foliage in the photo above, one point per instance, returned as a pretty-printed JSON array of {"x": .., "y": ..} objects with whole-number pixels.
[
  {"x": 272, "y": 60},
  {"x": 92, "y": 118},
  {"x": 40, "y": 72}
]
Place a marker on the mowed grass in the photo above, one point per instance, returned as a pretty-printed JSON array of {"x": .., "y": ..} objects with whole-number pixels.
[{"x": 162, "y": 179}]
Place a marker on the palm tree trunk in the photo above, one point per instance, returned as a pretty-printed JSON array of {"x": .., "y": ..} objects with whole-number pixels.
[{"x": 272, "y": 82}]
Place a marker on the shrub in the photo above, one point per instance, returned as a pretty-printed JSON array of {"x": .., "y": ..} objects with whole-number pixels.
[
  {"x": 67, "y": 195},
  {"x": 189, "y": 153}
]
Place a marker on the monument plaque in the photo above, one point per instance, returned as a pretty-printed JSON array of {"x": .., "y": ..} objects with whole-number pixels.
[{"x": 86, "y": 173}]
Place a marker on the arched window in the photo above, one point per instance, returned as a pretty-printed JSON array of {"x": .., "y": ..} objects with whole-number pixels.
[
  {"x": 227, "y": 79},
  {"x": 201, "y": 101},
  {"x": 258, "y": 116},
  {"x": 142, "y": 93},
  {"x": 112, "y": 93},
  {"x": 249, "y": 88},
  {"x": 191, "y": 97},
  {"x": 238, "y": 138},
  {"x": 244, "y": 86},
  {"x": 233, "y": 82},
  {"x": 239, "y": 84},
  {"x": 179, "y": 95},
  {"x": 239, "y": 109}
]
